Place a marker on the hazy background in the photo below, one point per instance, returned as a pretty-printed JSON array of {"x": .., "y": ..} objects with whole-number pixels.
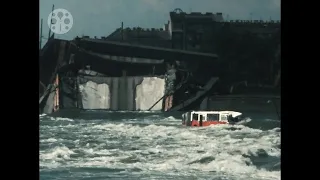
[{"x": 101, "y": 17}]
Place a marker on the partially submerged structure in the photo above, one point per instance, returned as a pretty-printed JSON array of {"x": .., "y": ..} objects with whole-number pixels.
[
  {"x": 178, "y": 67},
  {"x": 98, "y": 74}
]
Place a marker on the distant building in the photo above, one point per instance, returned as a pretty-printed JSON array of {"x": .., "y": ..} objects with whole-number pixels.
[
  {"x": 150, "y": 37},
  {"x": 246, "y": 47},
  {"x": 193, "y": 31},
  {"x": 204, "y": 32}
]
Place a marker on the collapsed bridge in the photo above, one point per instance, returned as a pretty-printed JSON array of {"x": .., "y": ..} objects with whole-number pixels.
[{"x": 98, "y": 74}]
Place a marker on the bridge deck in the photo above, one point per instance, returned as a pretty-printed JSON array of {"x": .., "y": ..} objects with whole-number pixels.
[{"x": 127, "y": 49}]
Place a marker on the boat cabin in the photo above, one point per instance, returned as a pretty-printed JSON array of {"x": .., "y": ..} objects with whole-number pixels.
[{"x": 207, "y": 118}]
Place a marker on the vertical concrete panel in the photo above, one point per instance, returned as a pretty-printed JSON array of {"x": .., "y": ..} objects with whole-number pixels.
[
  {"x": 123, "y": 101},
  {"x": 103, "y": 96},
  {"x": 88, "y": 91},
  {"x": 123, "y": 93},
  {"x": 130, "y": 93},
  {"x": 95, "y": 96},
  {"x": 136, "y": 82},
  {"x": 114, "y": 97},
  {"x": 148, "y": 92},
  {"x": 107, "y": 81}
]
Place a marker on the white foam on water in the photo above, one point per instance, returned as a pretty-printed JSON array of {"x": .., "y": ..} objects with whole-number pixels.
[
  {"x": 171, "y": 118},
  {"x": 42, "y": 115},
  {"x": 157, "y": 148},
  {"x": 57, "y": 153},
  {"x": 245, "y": 121},
  {"x": 50, "y": 140},
  {"x": 60, "y": 119}
]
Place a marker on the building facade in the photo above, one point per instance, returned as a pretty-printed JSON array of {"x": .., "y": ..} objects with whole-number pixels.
[{"x": 247, "y": 49}]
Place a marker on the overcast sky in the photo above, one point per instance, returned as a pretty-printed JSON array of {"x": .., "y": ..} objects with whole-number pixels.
[{"x": 101, "y": 17}]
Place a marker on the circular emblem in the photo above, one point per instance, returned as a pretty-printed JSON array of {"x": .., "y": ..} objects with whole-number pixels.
[{"x": 60, "y": 21}]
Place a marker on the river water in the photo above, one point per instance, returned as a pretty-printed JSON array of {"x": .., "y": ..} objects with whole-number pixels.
[{"x": 149, "y": 145}]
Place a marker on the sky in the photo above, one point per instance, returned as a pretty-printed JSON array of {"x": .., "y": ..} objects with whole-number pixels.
[{"x": 102, "y": 17}]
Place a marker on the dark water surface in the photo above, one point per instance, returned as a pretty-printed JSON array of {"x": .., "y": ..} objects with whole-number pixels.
[{"x": 145, "y": 145}]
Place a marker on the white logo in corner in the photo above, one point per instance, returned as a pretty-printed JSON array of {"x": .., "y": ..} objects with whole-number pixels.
[{"x": 60, "y": 21}]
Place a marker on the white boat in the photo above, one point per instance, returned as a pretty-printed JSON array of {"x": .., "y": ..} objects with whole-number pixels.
[{"x": 207, "y": 118}]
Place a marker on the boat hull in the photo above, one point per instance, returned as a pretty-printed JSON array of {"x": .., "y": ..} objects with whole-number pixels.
[{"x": 205, "y": 123}]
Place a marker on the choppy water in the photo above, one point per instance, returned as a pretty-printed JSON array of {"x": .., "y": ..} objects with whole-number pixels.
[{"x": 153, "y": 146}]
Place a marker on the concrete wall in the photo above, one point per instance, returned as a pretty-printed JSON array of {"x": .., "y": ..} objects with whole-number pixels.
[
  {"x": 121, "y": 93},
  {"x": 148, "y": 92},
  {"x": 95, "y": 96}
]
